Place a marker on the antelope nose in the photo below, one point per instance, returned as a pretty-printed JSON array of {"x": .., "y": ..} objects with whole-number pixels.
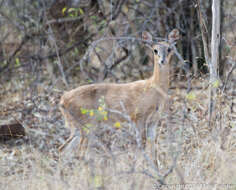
[{"x": 162, "y": 61}]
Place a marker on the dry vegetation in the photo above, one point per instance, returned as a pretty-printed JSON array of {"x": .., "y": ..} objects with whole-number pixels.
[{"x": 187, "y": 153}]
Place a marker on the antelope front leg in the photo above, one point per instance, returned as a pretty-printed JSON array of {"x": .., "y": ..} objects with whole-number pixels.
[
  {"x": 67, "y": 141},
  {"x": 83, "y": 144}
]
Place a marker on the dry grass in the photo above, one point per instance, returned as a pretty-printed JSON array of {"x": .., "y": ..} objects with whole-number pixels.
[{"x": 187, "y": 150}]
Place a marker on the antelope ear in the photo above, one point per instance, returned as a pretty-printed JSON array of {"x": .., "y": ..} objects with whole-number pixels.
[
  {"x": 146, "y": 36},
  {"x": 174, "y": 36}
]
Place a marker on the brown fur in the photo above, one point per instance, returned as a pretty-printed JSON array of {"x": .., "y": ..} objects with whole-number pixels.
[{"x": 139, "y": 98}]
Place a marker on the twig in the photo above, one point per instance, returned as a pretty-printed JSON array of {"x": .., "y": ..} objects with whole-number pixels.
[
  {"x": 24, "y": 41},
  {"x": 204, "y": 32},
  {"x": 228, "y": 76},
  {"x": 58, "y": 56},
  {"x": 117, "y": 9},
  {"x": 62, "y": 20},
  {"x": 118, "y": 61}
]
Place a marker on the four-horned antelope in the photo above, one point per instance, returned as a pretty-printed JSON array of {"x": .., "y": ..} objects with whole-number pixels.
[{"x": 139, "y": 98}]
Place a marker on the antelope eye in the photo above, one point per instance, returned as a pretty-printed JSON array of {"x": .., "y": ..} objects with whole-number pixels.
[
  {"x": 168, "y": 50},
  {"x": 155, "y": 51}
]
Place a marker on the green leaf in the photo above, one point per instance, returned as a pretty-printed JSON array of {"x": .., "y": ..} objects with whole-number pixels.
[
  {"x": 17, "y": 62},
  {"x": 83, "y": 111},
  {"x": 100, "y": 108},
  {"x": 93, "y": 17},
  {"x": 117, "y": 125},
  {"x": 81, "y": 11},
  {"x": 86, "y": 130},
  {"x": 97, "y": 181},
  {"x": 64, "y": 10},
  {"x": 71, "y": 10},
  {"x": 88, "y": 125},
  {"x": 4, "y": 62},
  {"x": 216, "y": 84},
  {"x": 89, "y": 81},
  {"x": 76, "y": 51},
  {"x": 125, "y": 9},
  {"x": 91, "y": 113},
  {"x": 105, "y": 118},
  {"x": 191, "y": 96},
  {"x": 103, "y": 22}
]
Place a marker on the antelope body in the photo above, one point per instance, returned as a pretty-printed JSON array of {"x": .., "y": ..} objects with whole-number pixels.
[{"x": 139, "y": 98}]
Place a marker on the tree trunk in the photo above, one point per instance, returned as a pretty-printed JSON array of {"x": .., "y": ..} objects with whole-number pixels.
[{"x": 214, "y": 63}]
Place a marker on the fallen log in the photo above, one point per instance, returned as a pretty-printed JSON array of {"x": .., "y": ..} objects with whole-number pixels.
[{"x": 9, "y": 131}]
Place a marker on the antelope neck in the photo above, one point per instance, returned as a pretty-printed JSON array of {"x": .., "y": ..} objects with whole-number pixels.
[
  {"x": 155, "y": 79},
  {"x": 160, "y": 77}
]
